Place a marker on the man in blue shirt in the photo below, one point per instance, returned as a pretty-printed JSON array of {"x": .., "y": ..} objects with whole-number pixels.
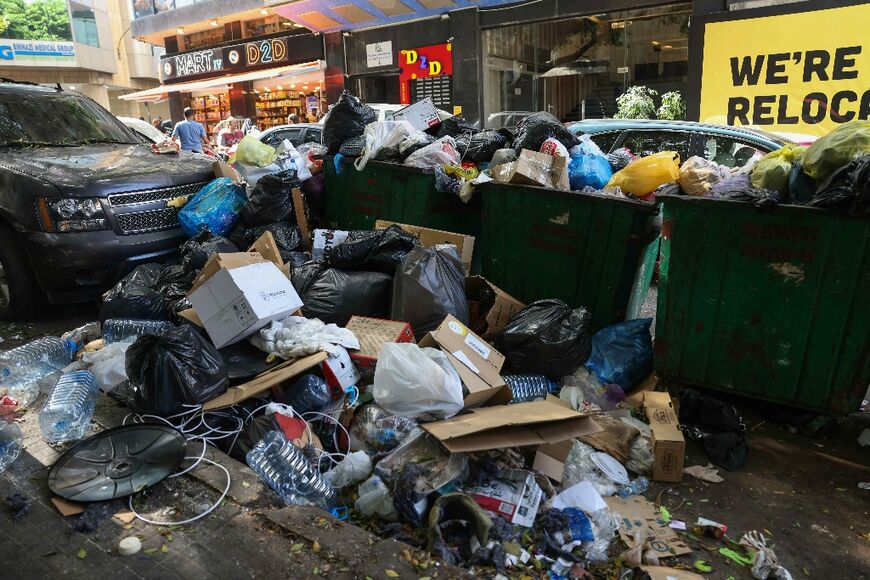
[{"x": 190, "y": 133}]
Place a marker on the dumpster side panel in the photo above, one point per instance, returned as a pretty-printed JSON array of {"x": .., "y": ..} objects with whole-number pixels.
[
  {"x": 537, "y": 243},
  {"x": 765, "y": 305}
]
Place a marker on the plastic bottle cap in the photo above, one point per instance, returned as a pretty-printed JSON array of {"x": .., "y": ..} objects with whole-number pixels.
[
  {"x": 610, "y": 467},
  {"x": 129, "y": 546}
]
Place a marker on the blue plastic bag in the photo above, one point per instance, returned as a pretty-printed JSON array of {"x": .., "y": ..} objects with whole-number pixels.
[
  {"x": 215, "y": 207},
  {"x": 589, "y": 170},
  {"x": 622, "y": 353}
]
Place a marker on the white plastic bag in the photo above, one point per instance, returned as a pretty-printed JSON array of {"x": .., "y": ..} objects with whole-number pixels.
[
  {"x": 108, "y": 364},
  {"x": 375, "y": 500},
  {"x": 380, "y": 135},
  {"x": 441, "y": 152},
  {"x": 301, "y": 164},
  {"x": 297, "y": 336},
  {"x": 354, "y": 468},
  {"x": 416, "y": 382}
]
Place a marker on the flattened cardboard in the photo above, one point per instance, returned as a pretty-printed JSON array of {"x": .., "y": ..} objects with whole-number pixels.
[
  {"x": 266, "y": 247},
  {"x": 503, "y": 309},
  {"x": 301, "y": 218},
  {"x": 534, "y": 168},
  {"x": 504, "y": 426},
  {"x": 430, "y": 238},
  {"x": 636, "y": 513},
  {"x": 668, "y": 443},
  {"x": 477, "y": 363},
  {"x": 191, "y": 315},
  {"x": 373, "y": 334},
  {"x": 550, "y": 459},
  {"x": 265, "y": 381},
  {"x": 66, "y": 507}
]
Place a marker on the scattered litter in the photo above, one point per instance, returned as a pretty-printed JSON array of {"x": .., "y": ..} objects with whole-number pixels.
[
  {"x": 706, "y": 473},
  {"x": 129, "y": 546}
]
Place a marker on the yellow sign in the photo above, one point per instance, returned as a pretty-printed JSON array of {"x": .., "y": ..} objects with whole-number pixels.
[{"x": 798, "y": 73}]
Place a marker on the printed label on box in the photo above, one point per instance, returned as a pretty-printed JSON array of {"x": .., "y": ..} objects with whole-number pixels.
[{"x": 478, "y": 346}]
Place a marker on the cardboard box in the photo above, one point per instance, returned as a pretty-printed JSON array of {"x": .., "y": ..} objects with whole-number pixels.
[
  {"x": 339, "y": 372},
  {"x": 421, "y": 115},
  {"x": 550, "y": 459},
  {"x": 237, "y": 294},
  {"x": 373, "y": 334},
  {"x": 430, "y": 238},
  {"x": 224, "y": 169},
  {"x": 507, "y": 426},
  {"x": 503, "y": 309},
  {"x": 668, "y": 444},
  {"x": 478, "y": 364},
  {"x": 264, "y": 381},
  {"x": 514, "y": 495},
  {"x": 533, "y": 168}
]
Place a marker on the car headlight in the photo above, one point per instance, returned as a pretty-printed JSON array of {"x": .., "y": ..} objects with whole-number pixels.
[{"x": 71, "y": 214}]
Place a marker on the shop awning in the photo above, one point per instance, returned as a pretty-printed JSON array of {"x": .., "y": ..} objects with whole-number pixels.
[{"x": 160, "y": 93}]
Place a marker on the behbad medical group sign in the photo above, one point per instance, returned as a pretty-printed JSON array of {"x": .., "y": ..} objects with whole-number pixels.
[{"x": 800, "y": 73}]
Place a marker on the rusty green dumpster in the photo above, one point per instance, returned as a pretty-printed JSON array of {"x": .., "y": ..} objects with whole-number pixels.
[{"x": 767, "y": 305}]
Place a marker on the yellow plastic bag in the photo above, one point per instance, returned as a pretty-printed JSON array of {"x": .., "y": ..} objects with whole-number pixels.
[
  {"x": 642, "y": 177},
  {"x": 252, "y": 151},
  {"x": 772, "y": 171},
  {"x": 845, "y": 143}
]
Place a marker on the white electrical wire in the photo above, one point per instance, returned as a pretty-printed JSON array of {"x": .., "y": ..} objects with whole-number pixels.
[{"x": 200, "y": 516}]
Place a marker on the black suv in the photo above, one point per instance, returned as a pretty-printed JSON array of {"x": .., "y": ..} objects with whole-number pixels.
[{"x": 82, "y": 198}]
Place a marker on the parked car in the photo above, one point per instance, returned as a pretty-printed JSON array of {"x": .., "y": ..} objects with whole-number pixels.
[
  {"x": 144, "y": 128},
  {"x": 729, "y": 146},
  {"x": 506, "y": 119},
  {"x": 297, "y": 133},
  {"x": 82, "y": 198}
]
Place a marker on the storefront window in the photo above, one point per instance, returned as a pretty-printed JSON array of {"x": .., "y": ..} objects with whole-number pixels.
[
  {"x": 576, "y": 68},
  {"x": 84, "y": 25},
  {"x": 203, "y": 39}
]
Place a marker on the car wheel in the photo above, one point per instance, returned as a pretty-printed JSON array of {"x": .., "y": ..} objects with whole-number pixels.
[{"x": 19, "y": 293}]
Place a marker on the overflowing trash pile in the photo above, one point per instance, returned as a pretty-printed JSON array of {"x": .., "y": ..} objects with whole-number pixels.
[{"x": 833, "y": 172}]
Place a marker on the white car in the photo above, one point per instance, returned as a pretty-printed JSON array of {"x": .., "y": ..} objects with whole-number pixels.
[{"x": 144, "y": 128}]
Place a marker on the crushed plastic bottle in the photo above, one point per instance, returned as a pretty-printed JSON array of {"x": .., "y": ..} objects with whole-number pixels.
[
  {"x": 35, "y": 359},
  {"x": 124, "y": 329},
  {"x": 11, "y": 440},
  {"x": 636, "y": 487},
  {"x": 67, "y": 411},
  {"x": 284, "y": 468},
  {"x": 525, "y": 388}
]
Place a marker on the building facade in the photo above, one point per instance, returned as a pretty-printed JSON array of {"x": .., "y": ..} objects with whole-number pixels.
[{"x": 85, "y": 45}]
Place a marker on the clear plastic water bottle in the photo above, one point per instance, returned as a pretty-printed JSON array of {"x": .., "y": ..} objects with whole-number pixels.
[
  {"x": 35, "y": 359},
  {"x": 67, "y": 411},
  {"x": 284, "y": 468},
  {"x": 636, "y": 487},
  {"x": 120, "y": 329},
  {"x": 10, "y": 444},
  {"x": 525, "y": 388}
]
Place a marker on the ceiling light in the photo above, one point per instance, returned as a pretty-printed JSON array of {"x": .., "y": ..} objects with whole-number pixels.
[
  {"x": 286, "y": 23},
  {"x": 655, "y": 42},
  {"x": 279, "y": 87},
  {"x": 214, "y": 22},
  {"x": 264, "y": 11},
  {"x": 668, "y": 46},
  {"x": 179, "y": 30}
]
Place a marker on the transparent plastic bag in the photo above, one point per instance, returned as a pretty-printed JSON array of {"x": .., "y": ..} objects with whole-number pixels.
[
  {"x": 215, "y": 207},
  {"x": 836, "y": 149},
  {"x": 252, "y": 151},
  {"x": 441, "y": 152},
  {"x": 354, "y": 468},
  {"x": 373, "y": 429},
  {"x": 382, "y": 135},
  {"x": 579, "y": 467},
  {"x": 605, "y": 524},
  {"x": 417, "y": 382},
  {"x": 698, "y": 175},
  {"x": 288, "y": 150},
  {"x": 108, "y": 364},
  {"x": 643, "y": 176},
  {"x": 375, "y": 500}
]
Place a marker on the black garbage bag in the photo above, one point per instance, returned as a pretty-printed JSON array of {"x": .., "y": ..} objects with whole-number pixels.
[
  {"x": 482, "y": 146},
  {"x": 173, "y": 368},
  {"x": 739, "y": 187},
  {"x": 297, "y": 259},
  {"x": 348, "y": 118},
  {"x": 429, "y": 285},
  {"x": 195, "y": 252},
  {"x": 252, "y": 434},
  {"x": 847, "y": 189},
  {"x": 271, "y": 199},
  {"x": 307, "y": 393},
  {"x": 287, "y": 237},
  {"x": 244, "y": 361},
  {"x": 719, "y": 427},
  {"x": 353, "y": 147},
  {"x": 619, "y": 159},
  {"x": 136, "y": 296},
  {"x": 373, "y": 250},
  {"x": 546, "y": 338},
  {"x": 313, "y": 191},
  {"x": 174, "y": 282},
  {"x": 537, "y": 128},
  {"x": 334, "y": 295},
  {"x": 453, "y": 127}
]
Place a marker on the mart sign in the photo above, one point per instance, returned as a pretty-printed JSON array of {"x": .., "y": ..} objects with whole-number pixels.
[
  {"x": 805, "y": 72},
  {"x": 37, "y": 53}
]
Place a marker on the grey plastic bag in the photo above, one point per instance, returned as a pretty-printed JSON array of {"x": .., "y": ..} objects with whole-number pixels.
[{"x": 429, "y": 285}]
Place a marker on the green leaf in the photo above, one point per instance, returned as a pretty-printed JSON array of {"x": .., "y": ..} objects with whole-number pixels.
[
  {"x": 391, "y": 573},
  {"x": 296, "y": 548},
  {"x": 82, "y": 554}
]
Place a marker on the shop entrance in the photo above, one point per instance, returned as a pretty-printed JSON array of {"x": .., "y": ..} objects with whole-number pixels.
[{"x": 379, "y": 88}]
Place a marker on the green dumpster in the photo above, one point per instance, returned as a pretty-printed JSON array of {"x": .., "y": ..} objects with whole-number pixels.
[
  {"x": 581, "y": 248},
  {"x": 389, "y": 191},
  {"x": 767, "y": 305}
]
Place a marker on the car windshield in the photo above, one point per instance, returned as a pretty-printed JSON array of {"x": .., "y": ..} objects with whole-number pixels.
[{"x": 60, "y": 119}]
